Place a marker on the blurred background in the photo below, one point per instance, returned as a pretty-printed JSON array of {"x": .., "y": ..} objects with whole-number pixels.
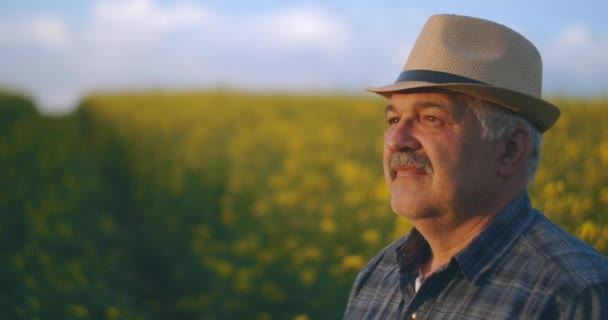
[
  {"x": 59, "y": 51},
  {"x": 220, "y": 160}
]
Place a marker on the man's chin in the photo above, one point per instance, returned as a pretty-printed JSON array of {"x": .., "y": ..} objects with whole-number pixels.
[
  {"x": 403, "y": 207},
  {"x": 412, "y": 208}
]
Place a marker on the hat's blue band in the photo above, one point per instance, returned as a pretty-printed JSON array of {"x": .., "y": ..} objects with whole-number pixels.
[{"x": 434, "y": 77}]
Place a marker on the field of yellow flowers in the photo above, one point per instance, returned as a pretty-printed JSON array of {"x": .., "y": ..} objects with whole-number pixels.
[{"x": 223, "y": 205}]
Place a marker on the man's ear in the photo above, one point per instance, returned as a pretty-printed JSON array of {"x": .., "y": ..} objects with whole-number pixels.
[{"x": 517, "y": 150}]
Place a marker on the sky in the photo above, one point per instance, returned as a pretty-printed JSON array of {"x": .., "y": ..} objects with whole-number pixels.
[{"x": 59, "y": 51}]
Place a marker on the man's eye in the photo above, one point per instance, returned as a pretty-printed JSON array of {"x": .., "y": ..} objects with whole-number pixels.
[
  {"x": 392, "y": 120},
  {"x": 432, "y": 120}
]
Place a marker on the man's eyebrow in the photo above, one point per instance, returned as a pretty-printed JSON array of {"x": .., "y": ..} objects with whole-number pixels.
[
  {"x": 423, "y": 104},
  {"x": 389, "y": 107}
]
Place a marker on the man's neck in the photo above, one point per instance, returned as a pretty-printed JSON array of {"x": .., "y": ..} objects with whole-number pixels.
[
  {"x": 447, "y": 235},
  {"x": 448, "y": 240}
]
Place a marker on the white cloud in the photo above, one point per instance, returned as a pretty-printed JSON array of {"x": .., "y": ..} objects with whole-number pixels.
[
  {"x": 123, "y": 44},
  {"x": 45, "y": 31},
  {"x": 134, "y": 14},
  {"x": 575, "y": 54},
  {"x": 306, "y": 27},
  {"x": 141, "y": 43},
  {"x": 573, "y": 37},
  {"x": 126, "y": 24},
  {"x": 120, "y": 30},
  {"x": 51, "y": 32}
]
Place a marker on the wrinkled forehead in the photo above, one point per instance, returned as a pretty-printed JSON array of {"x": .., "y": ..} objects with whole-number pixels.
[{"x": 456, "y": 104}]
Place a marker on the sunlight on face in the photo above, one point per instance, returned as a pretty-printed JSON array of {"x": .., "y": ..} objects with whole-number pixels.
[{"x": 434, "y": 159}]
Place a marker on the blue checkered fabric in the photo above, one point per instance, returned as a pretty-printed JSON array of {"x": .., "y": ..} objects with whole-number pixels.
[{"x": 522, "y": 266}]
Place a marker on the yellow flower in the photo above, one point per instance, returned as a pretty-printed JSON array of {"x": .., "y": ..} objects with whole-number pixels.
[
  {"x": 371, "y": 236},
  {"x": 353, "y": 262},
  {"x": 78, "y": 310},
  {"x": 112, "y": 312},
  {"x": 307, "y": 277},
  {"x": 327, "y": 225}
]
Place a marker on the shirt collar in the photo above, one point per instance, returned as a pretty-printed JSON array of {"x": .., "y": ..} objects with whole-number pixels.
[
  {"x": 483, "y": 252},
  {"x": 413, "y": 252}
]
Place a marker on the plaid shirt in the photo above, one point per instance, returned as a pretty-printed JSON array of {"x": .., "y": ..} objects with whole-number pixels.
[{"x": 522, "y": 266}]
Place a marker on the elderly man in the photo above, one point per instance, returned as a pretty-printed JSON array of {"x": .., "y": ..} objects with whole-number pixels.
[{"x": 464, "y": 130}]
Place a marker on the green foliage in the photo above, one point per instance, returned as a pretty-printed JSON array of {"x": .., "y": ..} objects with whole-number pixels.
[
  {"x": 14, "y": 106},
  {"x": 224, "y": 205},
  {"x": 571, "y": 185}
]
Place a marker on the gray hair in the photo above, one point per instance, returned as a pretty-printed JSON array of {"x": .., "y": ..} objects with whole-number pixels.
[{"x": 497, "y": 122}]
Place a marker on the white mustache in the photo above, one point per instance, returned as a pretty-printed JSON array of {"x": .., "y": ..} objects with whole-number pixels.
[{"x": 410, "y": 159}]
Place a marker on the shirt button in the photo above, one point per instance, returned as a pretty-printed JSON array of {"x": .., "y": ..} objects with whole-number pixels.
[{"x": 414, "y": 316}]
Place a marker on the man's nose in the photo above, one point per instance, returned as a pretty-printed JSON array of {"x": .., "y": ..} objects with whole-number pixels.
[{"x": 402, "y": 136}]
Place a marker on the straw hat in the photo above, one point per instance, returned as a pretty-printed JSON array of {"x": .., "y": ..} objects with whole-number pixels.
[{"x": 479, "y": 58}]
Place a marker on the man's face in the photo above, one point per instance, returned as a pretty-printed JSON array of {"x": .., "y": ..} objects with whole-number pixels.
[{"x": 435, "y": 163}]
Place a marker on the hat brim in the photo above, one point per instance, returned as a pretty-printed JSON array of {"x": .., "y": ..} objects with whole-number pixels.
[{"x": 542, "y": 114}]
